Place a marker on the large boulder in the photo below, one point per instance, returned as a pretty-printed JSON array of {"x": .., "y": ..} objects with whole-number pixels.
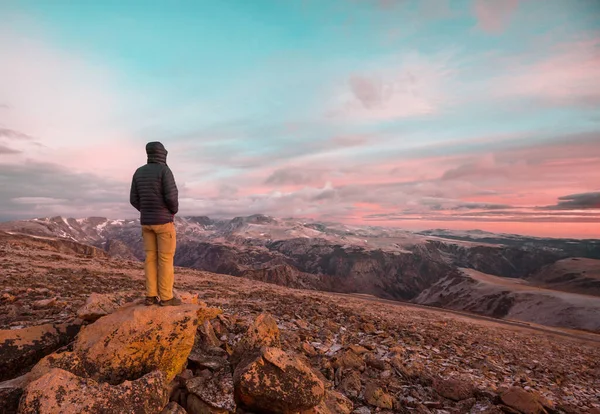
[
  {"x": 276, "y": 382},
  {"x": 130, "y": 343},
  {"x": 102, "y": 304},
  {"x": 20, "y": 349},
  {"x": 136, "y": 340},
  {"x": 60, "y": 392}
]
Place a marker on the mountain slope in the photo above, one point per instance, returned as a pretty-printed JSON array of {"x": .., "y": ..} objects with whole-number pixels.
[{"x": 385, "y": 262}]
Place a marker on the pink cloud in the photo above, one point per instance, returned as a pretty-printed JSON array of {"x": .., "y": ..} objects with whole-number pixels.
[
  {"x": 569, "y": 76},
  {"x": 494, "y": 15},
  {"x": 407, "y": 87}
]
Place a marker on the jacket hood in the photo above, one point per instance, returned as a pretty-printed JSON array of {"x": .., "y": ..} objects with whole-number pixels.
[{"x": 156, "y": 152}]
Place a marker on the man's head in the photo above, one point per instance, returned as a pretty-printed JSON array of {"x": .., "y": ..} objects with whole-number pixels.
[{"x": 156, "y": 152}]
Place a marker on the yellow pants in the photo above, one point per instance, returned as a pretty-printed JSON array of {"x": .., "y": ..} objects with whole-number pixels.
[{"x": 159, "y": 245}]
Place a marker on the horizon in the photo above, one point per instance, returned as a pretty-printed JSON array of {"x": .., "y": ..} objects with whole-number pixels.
[
  {"x": 417, "y": 229},
  {"x": 425, "y": 114}
]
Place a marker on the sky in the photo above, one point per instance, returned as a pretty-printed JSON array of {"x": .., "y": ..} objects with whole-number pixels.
[{"x": 481, "y": 114}]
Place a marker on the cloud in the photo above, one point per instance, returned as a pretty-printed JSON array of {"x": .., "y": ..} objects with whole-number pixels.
[
  {"x": 567, "y": 75},
  {"x": 577, "y": 202},
  {"x": 494, "y": 15},
  {"x": 12, "y": 134},
  {"x": 410, "y": 86},
  {"x": 33, "y": 189},
  {"x": 6, "y": 150},
  {"x": 295, "y": 176},
  {"x": 69, "y": 102}
]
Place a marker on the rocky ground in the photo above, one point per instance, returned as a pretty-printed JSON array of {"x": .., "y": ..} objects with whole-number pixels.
[{"x": 379, "y": 357}]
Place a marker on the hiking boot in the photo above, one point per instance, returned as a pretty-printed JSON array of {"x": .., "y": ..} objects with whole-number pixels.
[
  {"x": 151, "y": 300},
  {"x": 171, "y": 302}
]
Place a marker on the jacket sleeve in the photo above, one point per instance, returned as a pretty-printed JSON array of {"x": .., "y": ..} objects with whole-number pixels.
[
  {"x": 170, "y": 193},
  {"x": 134, "y": 197}
]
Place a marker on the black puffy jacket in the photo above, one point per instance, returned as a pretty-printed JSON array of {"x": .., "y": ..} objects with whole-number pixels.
[{"x": 153, "y": 190}]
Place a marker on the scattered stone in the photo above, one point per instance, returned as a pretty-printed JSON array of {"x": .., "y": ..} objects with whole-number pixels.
[
  {"x": 214, "y": 390},
  {"x": 20, "y": 349},
  {"x": 173, "y": 408},
  {"x": 374, "y": 362},
  {"x": 301, "y": 324},
  {"x": 61, "y": 392},
  {"x": 44, "y": 303},
  {"x": 309, "y": 349},
  {"x": 376, "y": 396},
  {"x": 351, "y": 384},
  {"x": 264, "y": 332},
  {"x": 214, "y": 363},
  {"x": 523, "y": 401},
  {"x": 277, "y": 382},
  {"x": 195, "y": 405},
  {"x": 98, "y": 305},
  {"x": 358, "y": 350},
  {"x": 433, "y": 404},
  {"x": 349, "y": 360},
  {"x": 10, "y": 393},
  {"x": 453, "y": 389}
]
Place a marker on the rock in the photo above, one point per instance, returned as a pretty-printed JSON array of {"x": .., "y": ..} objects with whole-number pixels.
[
  {"x": 334, "y": 403},
  {"x": 453, "y": 389},
  {"x": 521, "y": 400},
  {"x": 129, "y": 343},
  {"x": 374, "y": 362},
  {"x": 351, "y": 384},
  {"x": 44, "y": 303},
  {"x": 349, "y": 359},
  {"x": 61, "y": 392},
  {"x": 98, "y": 305},
  {"x": 376, "y": 396},
  {"x": 302, "y": 324},
  {"x": 277, "y": 382},
  {"x": 215, "y": 391},
  {"x": 368, "y": 328},
  {"x": 187, "y": 297},
  {"x": 362, "y": 410},
  {"x": 309, "y": 349},
  {"x": 10, "y": 393},
  {"x": 358, "y": 350},
  {"x": 20, "y": 349},
  {"x": 262, "y": 333},
  {"x": 173, "y": 408},
  {"x": 206, "y": 337},
  {"x": 195, "y": 405},
  {"x": 214, "y": 363}
]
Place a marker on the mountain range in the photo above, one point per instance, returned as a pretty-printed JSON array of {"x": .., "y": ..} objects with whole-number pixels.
[{"x": 554, "y": 282}]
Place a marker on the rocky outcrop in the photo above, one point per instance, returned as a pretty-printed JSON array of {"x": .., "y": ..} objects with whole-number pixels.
[
  {"x": 20, "y": 349},
  {"x": 60, "y": 392},
  {"x": 136, "y": 340}
]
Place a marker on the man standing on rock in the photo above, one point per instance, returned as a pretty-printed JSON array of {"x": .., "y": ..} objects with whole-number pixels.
[{"x": 154, "y": 194}]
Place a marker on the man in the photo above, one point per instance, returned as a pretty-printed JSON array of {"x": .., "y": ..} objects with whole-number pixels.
[{"x": 154, "y": 194}]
